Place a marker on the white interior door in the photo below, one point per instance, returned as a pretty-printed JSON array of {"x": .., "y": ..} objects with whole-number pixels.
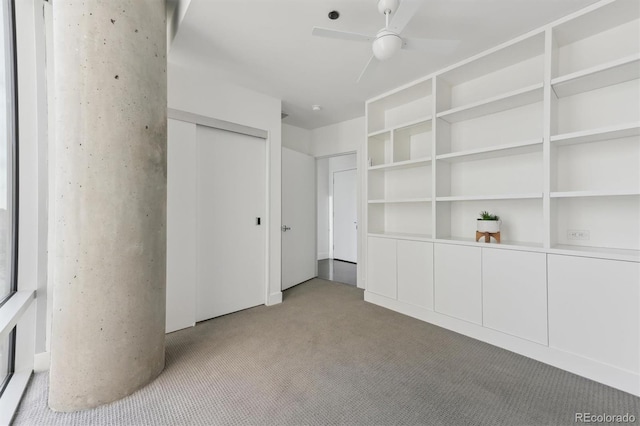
[
  {"x": 231, "y": 194},
  {"x": 345, "y": 216},
  {"x": 298, "y": 218}
]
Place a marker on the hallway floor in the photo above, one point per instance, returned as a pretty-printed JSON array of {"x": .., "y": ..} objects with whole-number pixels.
[{"x": 337, "y": 270}]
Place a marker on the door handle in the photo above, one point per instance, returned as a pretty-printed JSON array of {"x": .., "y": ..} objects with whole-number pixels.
[{"x": 285, "y": 228}]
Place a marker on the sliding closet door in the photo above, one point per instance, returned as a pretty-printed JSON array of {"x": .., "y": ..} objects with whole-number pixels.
[{"x": 231, "y": 226}]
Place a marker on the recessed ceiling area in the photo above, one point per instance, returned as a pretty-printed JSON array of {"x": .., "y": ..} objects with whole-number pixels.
[{"x": 267, "y": 46}]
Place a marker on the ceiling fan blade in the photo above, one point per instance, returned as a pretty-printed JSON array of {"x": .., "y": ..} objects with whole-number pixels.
[
  {"x": 403, "y": 15},
  {"x": 373, "y": 62},
  {"x": 342, "y": 35},
  {"x": 442, "y": 47}
]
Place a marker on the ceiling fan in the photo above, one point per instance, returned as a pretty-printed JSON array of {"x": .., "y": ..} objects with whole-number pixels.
[{"x": 387, "y": 42}]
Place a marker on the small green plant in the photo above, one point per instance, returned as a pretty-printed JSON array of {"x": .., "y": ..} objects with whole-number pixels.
[{"x": 485, "y": 215}]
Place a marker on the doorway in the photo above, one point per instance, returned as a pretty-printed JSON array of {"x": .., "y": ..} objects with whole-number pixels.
[
  {"x": 345, "y": 216},
  {"x": 336, "y": 179}
]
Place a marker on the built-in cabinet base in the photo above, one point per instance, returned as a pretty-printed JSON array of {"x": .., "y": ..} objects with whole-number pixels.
[{"x": 577, "y": 313}]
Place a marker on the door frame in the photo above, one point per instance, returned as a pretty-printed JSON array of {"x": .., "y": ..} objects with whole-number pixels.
[
  {"x": 361, "y": 191},
  {"x": 186, "y": 318},
  {"x": 358, "y": 192},
  {"x": 332, "y": 229}
]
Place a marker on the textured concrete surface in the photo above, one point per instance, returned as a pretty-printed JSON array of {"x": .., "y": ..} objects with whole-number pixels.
[{"x": 109, "y": 213}]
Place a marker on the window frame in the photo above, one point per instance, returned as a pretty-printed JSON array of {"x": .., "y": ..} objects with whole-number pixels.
[
  {"x": 11, "y": 73},
  {"x": 16, "y": 307}
]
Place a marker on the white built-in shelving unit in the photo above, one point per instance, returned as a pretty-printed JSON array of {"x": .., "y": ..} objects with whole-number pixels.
[
  {"x": 544, "y": 131},
  {"x": 399, "y": 144},
  {"x": 594, "y": 128}
]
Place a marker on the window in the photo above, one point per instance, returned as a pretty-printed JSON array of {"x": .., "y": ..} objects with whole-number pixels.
[{"x": 8, "y": 199}]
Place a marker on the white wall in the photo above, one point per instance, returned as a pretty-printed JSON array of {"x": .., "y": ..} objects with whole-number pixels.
[
  {"x": 326, "y": 167},
  {"x": 343, "y": 138},
  {"x": 297, "y": 139},
  {"x": 181, "y": 225},
  {"x": 339, "y": 138},
  {"x": 199, "y": 92}
]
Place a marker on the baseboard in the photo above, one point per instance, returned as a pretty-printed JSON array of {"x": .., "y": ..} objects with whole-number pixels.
[
  {"x": 359, "y": 280},
  {"x": 609, "y": 375},
  {"x": 323, "y": 256},
  {"x": 41, "y": 362},
  {"x": 178, "y": 327},
  {"x": 274, "y": 298}
]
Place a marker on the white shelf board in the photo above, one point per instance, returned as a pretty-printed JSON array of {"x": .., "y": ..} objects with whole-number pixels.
[
  {"x": 598, "y": 193},
  {"x": 597, "y": 135},
  {"x": 402, "y": 95},
  {"x": 400, "y": 236},
  {"x": 504, "y": 244},
  {"x": 413, "y": 123},
  {"x": 594, "y": 20},
  {"x": 510, "y": 100},
  {"x": 597, "y": 252},
  {"x": 401, "y": 200},
  {"x": 608, "y": 74},
  {"x": 402, "y": 164},
  {"x": 402, "y": 126},
  {"x": 379, "y": 133},
  {"x": 497, "y": 58},
  {"x": 533, "y": 195},
  {"x": 562, "y": 249},
  {"x": 493, "y": 151}
]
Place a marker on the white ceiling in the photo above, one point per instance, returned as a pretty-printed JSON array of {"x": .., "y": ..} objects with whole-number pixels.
[{"x": 266, "y": 45}]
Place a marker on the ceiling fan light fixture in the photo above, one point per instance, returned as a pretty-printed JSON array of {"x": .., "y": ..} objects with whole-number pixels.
[{"x": 386, "y": 45}]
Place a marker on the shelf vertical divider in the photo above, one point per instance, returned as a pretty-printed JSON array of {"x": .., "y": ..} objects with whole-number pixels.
[
  {"x": 434, "y": 141},
  {"x": 441, "y": 170},
  {"x": 363, "y": 226},
  {"x": 362, "y": 164},
  {"x": 392, "y": 145},
  {"x": 550, "y": 51}
]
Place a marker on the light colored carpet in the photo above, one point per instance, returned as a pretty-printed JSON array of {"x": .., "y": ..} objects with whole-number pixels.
[{"x": 324, "y": 356}]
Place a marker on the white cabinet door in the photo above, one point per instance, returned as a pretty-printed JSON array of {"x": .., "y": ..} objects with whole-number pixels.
[
  {"x": 415, "y": 273},
  {"x": 381, "y": 267},
  {"x": 458, "y": 281},
  {"x": 514, "y": 289},
  {"x": 594, "y": 309}
]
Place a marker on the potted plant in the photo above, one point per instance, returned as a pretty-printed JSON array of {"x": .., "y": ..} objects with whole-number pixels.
[{"x": 488, "y": 222}]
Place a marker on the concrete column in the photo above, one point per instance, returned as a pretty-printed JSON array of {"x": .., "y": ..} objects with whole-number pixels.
[{"x": 110, "y": 183}]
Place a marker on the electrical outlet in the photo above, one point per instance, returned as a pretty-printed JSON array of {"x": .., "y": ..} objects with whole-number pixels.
[{"x": 578, "y": 234}]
